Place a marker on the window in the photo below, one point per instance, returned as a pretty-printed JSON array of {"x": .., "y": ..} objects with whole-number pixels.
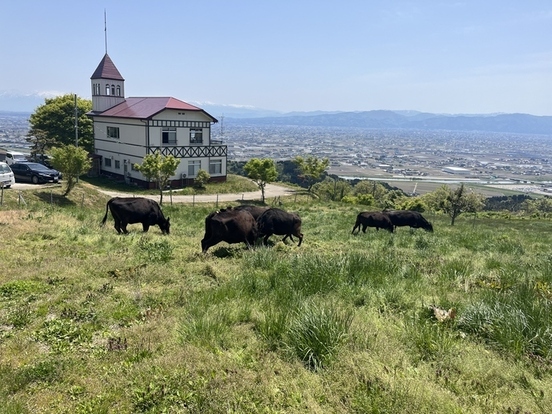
[
  {"x": 118, "y": 90},
  {"x": 113, "y": 132},
  {"x": 107, "y": 89},
  {"x": 168, "y": 136},
  {"x": 107, "y": 162},
  {"x": 133, "y": 167},
  {"x": 215, "y": 167},
  {"x": 196, "y": 136},
  {"x": 193, "y": 168},
  {"x": 117, "y": 164},
  {"x": 112, "y": 89}
]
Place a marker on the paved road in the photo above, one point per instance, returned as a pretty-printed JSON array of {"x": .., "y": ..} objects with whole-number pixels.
[{"x": 271, "y": 191}]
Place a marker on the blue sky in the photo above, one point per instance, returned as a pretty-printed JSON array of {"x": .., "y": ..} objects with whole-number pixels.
[{"x": 482, "y": 56}]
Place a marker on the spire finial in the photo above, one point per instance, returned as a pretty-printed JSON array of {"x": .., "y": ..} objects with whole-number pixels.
[{"x": 105, "y": 30}]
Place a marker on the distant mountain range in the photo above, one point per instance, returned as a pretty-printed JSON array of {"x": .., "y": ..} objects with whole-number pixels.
[
  {"x": 506, "y": 123},
  {"x": 377, "y": 119}
]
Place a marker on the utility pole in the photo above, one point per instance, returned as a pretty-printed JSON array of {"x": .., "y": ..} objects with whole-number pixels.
[{"x": 76, "y": 123}]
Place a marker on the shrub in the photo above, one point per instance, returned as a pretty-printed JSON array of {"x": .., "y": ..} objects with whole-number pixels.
[{"x": 201, "y": 179}]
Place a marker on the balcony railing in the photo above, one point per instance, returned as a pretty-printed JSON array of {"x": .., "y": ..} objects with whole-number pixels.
[{"x": 191, "y": 152}]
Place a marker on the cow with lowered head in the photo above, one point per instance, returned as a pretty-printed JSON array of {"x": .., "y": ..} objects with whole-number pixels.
[
  {"x": 372, "y": 219},
  {"x": 231, "y": 226},
  {"x": 280, "y": 222},
  {"x": 130, "y": 210},
  {"x": 408, "y": 218}
]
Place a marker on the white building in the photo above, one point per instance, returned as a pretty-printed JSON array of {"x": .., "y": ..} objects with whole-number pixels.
[
  {"x": 457, "y": 170},
  {"x": 127, "y": 129}
]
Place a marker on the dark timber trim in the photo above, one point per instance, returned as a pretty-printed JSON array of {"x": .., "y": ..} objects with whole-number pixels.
[{"x": 191, "y": 152}]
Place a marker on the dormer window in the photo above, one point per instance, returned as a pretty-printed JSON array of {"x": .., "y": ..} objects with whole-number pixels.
[
  {"x": 118, "y": 90},
  {"x": 112, "y": 89},
  {"x": 107, "y": 89}
]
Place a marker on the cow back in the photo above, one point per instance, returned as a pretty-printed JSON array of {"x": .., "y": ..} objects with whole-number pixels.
[{"x": 280, "y": 222}]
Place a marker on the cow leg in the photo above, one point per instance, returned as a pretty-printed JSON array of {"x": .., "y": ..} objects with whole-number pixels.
[
  {"x": 290, "y": 237},
  {"x": 265, "y": 240},
  {"x": 355, "y": 227},
  {"x": 364, "y": 226},
  {"x": 300, "y": 235},
  {"x": 124, "y": 227},
  {"x": 145, "y": 227},
  {"x": 117, "y": 225}
]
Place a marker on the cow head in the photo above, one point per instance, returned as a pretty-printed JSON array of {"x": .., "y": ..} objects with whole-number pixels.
[
  {"x": 165, "y": 225},
  {"x": 428, "y": 227}
]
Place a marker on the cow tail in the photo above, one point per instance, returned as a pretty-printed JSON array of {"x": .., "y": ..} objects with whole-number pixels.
[{"x": 106, "y": 210}]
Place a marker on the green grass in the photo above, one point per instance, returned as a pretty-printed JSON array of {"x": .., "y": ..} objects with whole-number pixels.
[{"x": 96, "y": 322}]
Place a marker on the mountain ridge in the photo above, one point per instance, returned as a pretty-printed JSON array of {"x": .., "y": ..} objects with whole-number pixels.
[{"x": 387, "y": 119}]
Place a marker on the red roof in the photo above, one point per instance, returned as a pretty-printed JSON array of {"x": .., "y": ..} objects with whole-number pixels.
[
  {"x": 106, "y": 70},
  {"x": 144, "y": 108}
]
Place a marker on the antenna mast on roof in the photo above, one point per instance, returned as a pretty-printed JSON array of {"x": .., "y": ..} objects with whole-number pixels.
[{"x": 105, "y": 30}]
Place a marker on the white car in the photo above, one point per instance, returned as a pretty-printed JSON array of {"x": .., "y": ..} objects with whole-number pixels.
[{"x": 7, "y": 178}]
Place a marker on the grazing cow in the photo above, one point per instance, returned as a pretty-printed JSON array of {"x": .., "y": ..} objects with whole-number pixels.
[
  {"x": 130, "y": 210},
  {"x": 255, "y": 211},
  {"x": 280, "y": 222},
  {"x": 408, "y": 218},
  {"x": 372, "y": 219},
  {"x": 231, "y": 226}
]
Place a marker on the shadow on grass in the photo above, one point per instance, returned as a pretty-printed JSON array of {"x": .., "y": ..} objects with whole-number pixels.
[
  {"x": 116, "y": 185},
  {"x": 57, "y": 199}
]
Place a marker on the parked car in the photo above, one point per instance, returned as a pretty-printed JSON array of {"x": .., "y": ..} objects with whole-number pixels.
[
  {"x": 11, "y": 157},
  {"x": 34, "y": 172},
  {"x": 7, "y": 178},
  {"x": 41, "y": 159}
]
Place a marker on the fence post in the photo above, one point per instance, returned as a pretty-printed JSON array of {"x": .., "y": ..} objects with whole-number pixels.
[{"x": 216, "y": 204}]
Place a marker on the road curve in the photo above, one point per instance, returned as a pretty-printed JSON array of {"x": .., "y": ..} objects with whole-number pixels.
[{"x": 271, "y": 191}]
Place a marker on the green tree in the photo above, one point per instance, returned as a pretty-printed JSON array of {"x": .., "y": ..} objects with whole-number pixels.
[
  {"x": 454, "y": 202},
  {"x": 53, "y": 124},
  {"x": 41, "y": 143},
  {"x": 413, "y": 203},
  {"x": 332, "y": 188},
  {"x": 311, "y": 168},
  {"x": 261, "y": 172},
  {"x": 201, "y": 179},
  {"x": 72, "y": 162},
  {"x": 159, "y": 169},
  {"x": 378, "y": 192}
]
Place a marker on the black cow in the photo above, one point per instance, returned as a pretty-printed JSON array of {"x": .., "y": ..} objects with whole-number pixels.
[
  {"x": 130, "y": 210},
  {"x": 231, "y": 226},
  {"x": 255, "y": 211},
  {"x": 372, "y": 219},
  {"x": 280, "y": 222},
  {"x": 408, "y": 218}
]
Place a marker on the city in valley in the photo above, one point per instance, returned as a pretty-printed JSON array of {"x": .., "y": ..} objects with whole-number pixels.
[{"x": 416, "y": 161}]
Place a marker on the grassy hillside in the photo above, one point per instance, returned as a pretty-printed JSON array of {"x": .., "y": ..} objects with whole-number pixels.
[{"x": 95, "y": 322}]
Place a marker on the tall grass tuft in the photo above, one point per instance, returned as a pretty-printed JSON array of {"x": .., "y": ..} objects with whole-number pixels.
[
  {"x": 518, "y": 321},
  {"x": 316, "y": 332}
]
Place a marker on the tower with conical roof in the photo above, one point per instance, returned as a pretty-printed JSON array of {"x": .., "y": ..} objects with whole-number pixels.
[{"x": 108, "y": 86}]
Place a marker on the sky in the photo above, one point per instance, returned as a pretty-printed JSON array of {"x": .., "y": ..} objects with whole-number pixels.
[{"x": 439, "y": 56}]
